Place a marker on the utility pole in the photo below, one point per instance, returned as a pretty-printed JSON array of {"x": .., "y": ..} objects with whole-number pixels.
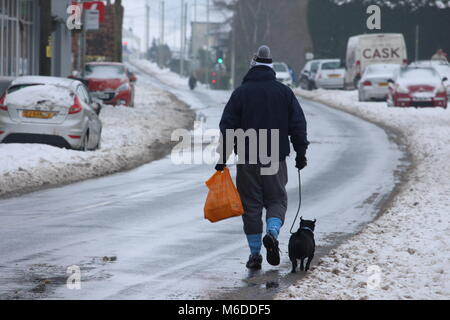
[
  {"x": 417, "y": 42},
  {"x": 182, "y": 39},
  {"x": 162, "y": 21},
  {"x": 233, "y": 54},
  {"x": 83, "y": 42},
  {"x": 161, "y": 34},
  {"x": 195, "y": 10},
  {"x": 207, "y": 43},
  {"x": 147, "y": 29}
]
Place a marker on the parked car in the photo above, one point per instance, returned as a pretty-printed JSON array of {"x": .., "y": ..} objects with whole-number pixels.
[
  {"x": 417, "y": 87},
  {"x": 374, "y": 82},
  {"x": 330, "y": 74},
  {"x": 364, "y": 50},
  {"x": 50, "y": 110},
  {"x": 442, "y": 67},
  {"x": 282, "y": 73},
  {"x": 111, "y": 82},
  {"x": 308, "y": 74}
]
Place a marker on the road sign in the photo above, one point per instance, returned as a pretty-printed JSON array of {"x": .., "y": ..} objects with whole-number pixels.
[
  {"x": 91, "y": 20},
  {"x": 94, "y": 5}
]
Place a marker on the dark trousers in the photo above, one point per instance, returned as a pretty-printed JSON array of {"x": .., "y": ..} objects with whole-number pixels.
[{"x": 260, "y": 192}]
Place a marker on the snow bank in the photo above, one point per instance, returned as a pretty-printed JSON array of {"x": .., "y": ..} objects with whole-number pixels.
[
  {"x": 405, "y": 254},
  {"x": 164, "y": 75},
  {"x": 131, "y": 137}
]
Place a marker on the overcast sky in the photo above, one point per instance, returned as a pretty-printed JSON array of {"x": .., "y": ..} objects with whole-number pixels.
[{"x": 135, "y": 18}]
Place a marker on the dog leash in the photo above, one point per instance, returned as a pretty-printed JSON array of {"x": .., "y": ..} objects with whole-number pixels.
[{"x": 299, "y": 201}]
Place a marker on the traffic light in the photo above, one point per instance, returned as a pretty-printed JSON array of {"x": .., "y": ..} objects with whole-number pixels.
[
  {"x": 214, "y": 78},
  {"x": 219, "y": 60}
]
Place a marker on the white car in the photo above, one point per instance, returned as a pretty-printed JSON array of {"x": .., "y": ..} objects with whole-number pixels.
[
  {"x": 50, "y": 110},
  {"x": 330, "y": 74},
  {"x": 442, "y": 67},
  {"x": 282, "y": 73},
  {"x": 374, "y": 82}
]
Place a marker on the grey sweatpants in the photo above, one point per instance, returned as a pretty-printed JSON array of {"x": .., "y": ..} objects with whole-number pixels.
[{"x": 260, "y": 192}]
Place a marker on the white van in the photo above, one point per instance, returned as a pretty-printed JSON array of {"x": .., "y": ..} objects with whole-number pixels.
[{"x": 364, "y": 50}]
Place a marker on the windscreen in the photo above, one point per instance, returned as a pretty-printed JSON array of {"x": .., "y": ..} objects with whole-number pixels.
[
  {"x": 105, "y": 71},
  {"x": 279, "y": 67},
  {"x": 331, "y": 65}
]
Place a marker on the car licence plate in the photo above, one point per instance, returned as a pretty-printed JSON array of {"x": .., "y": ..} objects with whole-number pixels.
[
  {"x": 334, "y": 76},
  {"x": 383, "y": 84},
  {"x": 421, "y": 99},
  {"x": 37, "y": 114}
]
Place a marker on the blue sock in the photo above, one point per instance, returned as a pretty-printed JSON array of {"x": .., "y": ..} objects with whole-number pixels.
[
  {"x": 255, "y": 243},
  {"x": 274, "y": 226}
]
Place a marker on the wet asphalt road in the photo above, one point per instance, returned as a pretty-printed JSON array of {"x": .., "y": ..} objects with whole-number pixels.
[{"x": 151, "y": 219}]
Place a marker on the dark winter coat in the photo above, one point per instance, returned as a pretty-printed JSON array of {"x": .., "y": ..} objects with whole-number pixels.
[{"x": 261, "y": 102}]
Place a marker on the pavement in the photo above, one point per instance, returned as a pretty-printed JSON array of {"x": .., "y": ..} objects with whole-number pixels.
[{"x": 141, "y": 234}]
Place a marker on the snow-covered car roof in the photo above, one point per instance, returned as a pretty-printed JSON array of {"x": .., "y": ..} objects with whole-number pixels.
[
  {"x": 429, "y": 63},
  {"x": 38, "y": 93},
  {"x": 56, "y": 81},
  {"x": 419, "y": 75}
]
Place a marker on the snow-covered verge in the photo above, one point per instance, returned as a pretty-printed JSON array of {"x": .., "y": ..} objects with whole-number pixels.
[
  {"x": 164, "y": 75},
  {"x": 405, "y": 253},
  {"x": 130, "y": 137}
]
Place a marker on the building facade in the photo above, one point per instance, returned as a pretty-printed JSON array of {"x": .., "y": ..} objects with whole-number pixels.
[
  {"x": 25, "y": 44},
  {"x": 19, "y": 37}
]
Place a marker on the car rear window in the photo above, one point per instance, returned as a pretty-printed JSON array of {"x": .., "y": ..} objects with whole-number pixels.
[
  {"x": 32, "y": 95},
  {"x": 20, "y": 86},
  {"x": 105, "y": 71},
  {"x": 418, "y": 73},
  {"x": 382, "y": 68},
  {"x": 331, "y": 65}
]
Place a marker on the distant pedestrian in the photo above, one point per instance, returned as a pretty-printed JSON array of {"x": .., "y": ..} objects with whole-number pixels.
[
  {"x": 192, "y": 82},
  {"x": 440, "y": 55},
  {"x": 293, "y": 76},
  {"x": 262, "y": 103}
]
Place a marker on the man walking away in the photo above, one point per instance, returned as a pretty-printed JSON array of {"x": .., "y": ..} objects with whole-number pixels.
[{"x": 262, "y": 103}]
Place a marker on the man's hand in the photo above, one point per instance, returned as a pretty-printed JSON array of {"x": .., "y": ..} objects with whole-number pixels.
[
  {"x": 301, "y": 162},
  {"x": 220, "y": 167}
]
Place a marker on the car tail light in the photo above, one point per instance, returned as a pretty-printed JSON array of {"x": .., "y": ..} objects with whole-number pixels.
[
  {"x": 2, "y": 103},
  {"x": 75, "y": 137},
  {"x": 405, "y": 62},
  {"x": 367, "y": 83},
  {"x": 76, "y": 107}
]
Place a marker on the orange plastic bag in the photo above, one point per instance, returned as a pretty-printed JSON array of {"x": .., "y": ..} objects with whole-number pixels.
[{"x": 223, "y": 199}]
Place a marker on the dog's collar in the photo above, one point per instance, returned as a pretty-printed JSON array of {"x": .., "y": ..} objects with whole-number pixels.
[{"x": 306, "y": 228}]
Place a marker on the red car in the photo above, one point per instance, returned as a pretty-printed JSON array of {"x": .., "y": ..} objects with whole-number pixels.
[
  {"x": 417, "y": 87},
  {"x": 110, "y": 82}
]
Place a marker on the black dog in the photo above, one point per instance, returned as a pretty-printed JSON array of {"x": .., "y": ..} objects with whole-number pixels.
[{"x": 302, "y": 244}]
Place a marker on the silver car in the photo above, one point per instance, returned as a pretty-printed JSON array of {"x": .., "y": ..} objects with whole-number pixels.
[
  {"x": 50, "y": 110},
  {"x": 374, "y": 82}
]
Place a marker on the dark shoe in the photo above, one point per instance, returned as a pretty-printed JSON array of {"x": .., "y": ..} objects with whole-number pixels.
[
  {"x": 254, "y": 262},
  {"x": 273, "y": 252}
]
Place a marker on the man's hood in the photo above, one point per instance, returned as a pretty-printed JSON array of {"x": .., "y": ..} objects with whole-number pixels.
[{"x": 260, "y": 73}]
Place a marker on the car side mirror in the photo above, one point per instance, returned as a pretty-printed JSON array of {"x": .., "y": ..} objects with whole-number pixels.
[
  {"x": 390, "y": 81},
  {"x": 444, "y": 79},
  {"x": 97, "y": 106},
  {"x": 132, "y": 77},
  {"x": 83, "y": 81}
]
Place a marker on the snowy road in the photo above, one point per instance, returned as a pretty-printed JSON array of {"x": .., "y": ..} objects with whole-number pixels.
[{"x": 151, "y": 219}]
